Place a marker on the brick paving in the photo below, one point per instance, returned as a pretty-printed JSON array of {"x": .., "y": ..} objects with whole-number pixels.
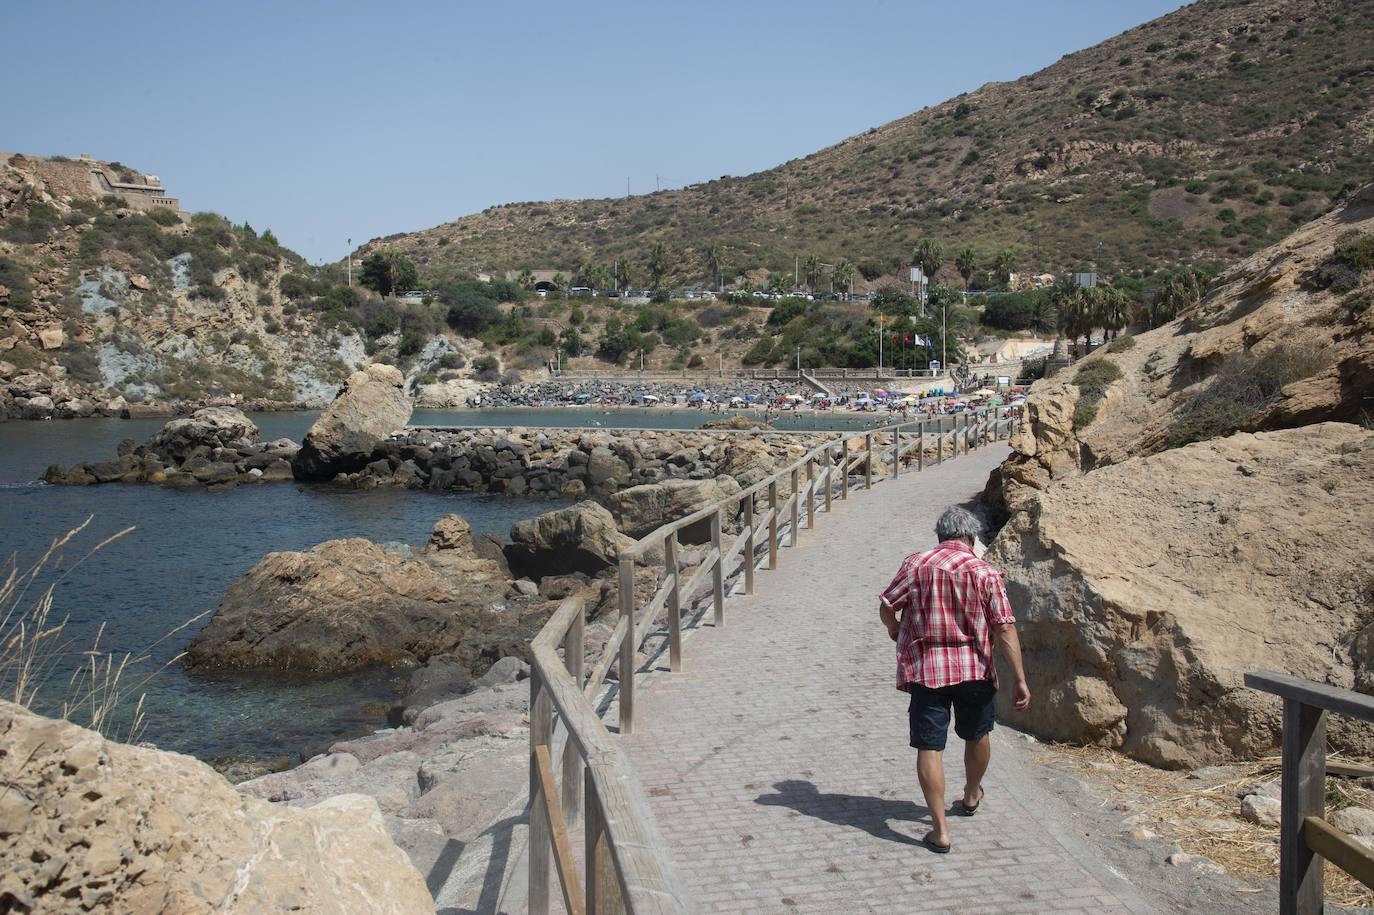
[{"x": 777, "y": 763}]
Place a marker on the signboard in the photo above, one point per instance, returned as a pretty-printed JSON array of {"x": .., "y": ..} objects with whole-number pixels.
[
  {"x": 1004, "y": 380},
  {"x": 934, "y": 365},
  {"x": 917, "y": 275}
]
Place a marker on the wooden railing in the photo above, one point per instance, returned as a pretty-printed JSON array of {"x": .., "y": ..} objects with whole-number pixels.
[
  {"x": 1305, "y": 838},
  {"x": 627, "y": 865}
]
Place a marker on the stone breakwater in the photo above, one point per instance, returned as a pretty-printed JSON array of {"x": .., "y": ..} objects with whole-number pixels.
[
  {"x": 572, "y": 464},
  {"x": 601, "y": 390}
]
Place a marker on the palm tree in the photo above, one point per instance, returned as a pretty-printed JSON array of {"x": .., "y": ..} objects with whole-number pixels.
[
  {"x": 525, "y": 279},
  {"x": 658, "y": 263},
  {"x": 811, "y": 267},
  {"x": 1071, "y": 307},
  {"x": 626, "y": 278},
  {"x": 966, "y": 262},
  {"x": 560, "y": 282},
  {"x": 1002, "y": 265},
  {"x": 929, "y": 256},
  {"x": 777, "y": 283},
  {"x": 842, "y": 274},
  {"x": 1113, "y": 310},
  {"x": 714, "y": 256}
]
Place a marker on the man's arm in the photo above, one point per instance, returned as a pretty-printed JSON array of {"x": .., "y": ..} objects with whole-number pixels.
[
  {"x": 889, "y": 618},
  {"x": 1009, "y": 645}
]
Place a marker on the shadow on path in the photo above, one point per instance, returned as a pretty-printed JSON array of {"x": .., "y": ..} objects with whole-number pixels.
[{"x": 871, "y": 814}]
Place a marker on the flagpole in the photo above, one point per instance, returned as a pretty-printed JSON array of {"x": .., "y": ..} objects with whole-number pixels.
[{"x": 880, "y": 343}]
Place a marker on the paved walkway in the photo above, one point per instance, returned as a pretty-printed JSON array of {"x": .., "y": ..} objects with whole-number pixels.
[{"x": 777, "y": 762}]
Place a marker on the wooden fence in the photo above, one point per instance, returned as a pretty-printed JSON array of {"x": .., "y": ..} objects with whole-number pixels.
[
  {"x": 1305, "y": 838},
  {"x": 627, "y": 864}
]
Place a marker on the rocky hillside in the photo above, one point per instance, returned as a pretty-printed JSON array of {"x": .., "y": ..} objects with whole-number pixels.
[
  {"x": 1202, "y": 135},
  {"x": 1193, "y": 504},
  {"x": 107, "y": 301}
]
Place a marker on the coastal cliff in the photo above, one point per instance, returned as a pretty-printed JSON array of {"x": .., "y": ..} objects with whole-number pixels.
[{"x": 1210, "y": 517}]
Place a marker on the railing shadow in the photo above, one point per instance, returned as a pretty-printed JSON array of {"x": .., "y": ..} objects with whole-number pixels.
[{"x": 859, "y": 811}]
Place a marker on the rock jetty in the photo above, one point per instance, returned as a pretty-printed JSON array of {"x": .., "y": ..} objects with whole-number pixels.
[
  {"x": 215, "y": 446},
  {"x": 372, "y": 405},
  {"x": 557, "y": 392},
  {"x": 87, "y": 824}
]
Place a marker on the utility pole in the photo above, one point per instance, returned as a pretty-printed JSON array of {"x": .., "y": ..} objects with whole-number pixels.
[
  {"x": 627, "y": 185},
  {"x": 350, "y": 263},
  {"x": 798, "y": 363},
  {"x": 944, "y": 340},
  {"x": 880, "y": 343},
  {"x": 796, "y": 270}
]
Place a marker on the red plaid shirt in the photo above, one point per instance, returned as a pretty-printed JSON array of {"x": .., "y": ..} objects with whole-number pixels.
[{"x": 948, "y": 601}]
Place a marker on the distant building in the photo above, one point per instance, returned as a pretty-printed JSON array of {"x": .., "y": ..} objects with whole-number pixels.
[
  {"x": 1086, "y": 280},
  {"x": 144, "y": 193}
]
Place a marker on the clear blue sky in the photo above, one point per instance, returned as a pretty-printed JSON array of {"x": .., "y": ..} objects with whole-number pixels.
[{"x": 330, "y": 120}]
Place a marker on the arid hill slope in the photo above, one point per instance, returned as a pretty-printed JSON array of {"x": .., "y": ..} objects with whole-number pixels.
[
  {"x": 1212, "y": 516},
  {"x": 1202, "y": 135}
]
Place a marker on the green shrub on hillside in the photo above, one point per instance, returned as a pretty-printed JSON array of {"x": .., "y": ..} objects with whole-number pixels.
[
  {"x": 1093, "y": 378},
  {"x": 165, "y": 217},
  {"x": 1121, "y": 345},
  {"x": 1342, "y": 271},
  {"x": 16, "y": 279}
]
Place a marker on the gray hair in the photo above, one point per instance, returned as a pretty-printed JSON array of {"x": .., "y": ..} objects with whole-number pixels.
[{"x": 957, "y": 524}]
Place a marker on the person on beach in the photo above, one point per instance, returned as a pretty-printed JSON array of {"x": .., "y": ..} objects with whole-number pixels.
[{"x": 944, "y": 609}]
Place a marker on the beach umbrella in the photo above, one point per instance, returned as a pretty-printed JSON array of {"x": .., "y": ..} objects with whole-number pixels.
[
  {"x": 650, "y": 397},
  {"x": 984, "y": 392},
  {"x": 697, "y": 396},
  {"x": 751, "y": 397}
]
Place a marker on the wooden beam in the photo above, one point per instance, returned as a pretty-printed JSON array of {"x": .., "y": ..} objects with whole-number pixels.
[
  {"x": 1318, "y": 695},
  {"x": 717, "y": 573},
  {"x": 773, "y": 523},
  {"x": 674, "y": 603},
  {"x": 627, "y": 646},
  {"x": 749, "y": 545},
  {"x": 574, "y": 656},
  {"x": 1340, "y": 849},
  {"x": 558, "y": 827}
]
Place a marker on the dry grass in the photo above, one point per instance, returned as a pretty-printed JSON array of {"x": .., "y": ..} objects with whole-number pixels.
[
  {"x": 34, "y": 646},
  {"x": 1203, "y": 817}
]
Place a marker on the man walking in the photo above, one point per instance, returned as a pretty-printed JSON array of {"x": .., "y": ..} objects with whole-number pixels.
[{"x": 944, "y": 609}]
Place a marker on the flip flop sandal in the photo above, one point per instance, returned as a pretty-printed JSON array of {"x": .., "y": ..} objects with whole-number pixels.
[
  {"x": 968, "y": 811},
  {"x": 934, "y": 846}
]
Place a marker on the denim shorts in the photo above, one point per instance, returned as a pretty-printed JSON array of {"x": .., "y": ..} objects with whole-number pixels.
[{"x": 974, "y": 703}]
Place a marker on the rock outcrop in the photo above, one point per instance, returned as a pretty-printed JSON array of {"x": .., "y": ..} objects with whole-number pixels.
[
  {"x": 640, "y": 510},
  {"x": 372, "y": 405},
  {"x": 87, "y": 824},
  {"x": 579, "y": 538},
  {"x": 215, "y": 446},
  {"x": 1146, "y": 590},
  {"x": 346, "y": 604}
]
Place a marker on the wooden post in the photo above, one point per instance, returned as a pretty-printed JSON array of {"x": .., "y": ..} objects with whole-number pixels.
[
  {"x": 896, "y": 451},
  {"x": 602, "y": 889},
  {"x": 796, "y": 507},
  {"x": 674, "y": 604},
  {"x": 574, "y": 653},
  {"x": 810, "y": 493},
  {"x": 844, "y": 469},
  {"x": 829, "y": 478},
  {"x": 627, "y": 647},
  {"x": 1304, "y": 795},
  {"x": 718, "y": 573},
  {"x": 921, "y": 446},
  {"x": 940, "y": 440},
  {"x": 868, "y": 464},
  {"x": 749, "y": 545},
  {"x": 540, "y": 837},
  {"x": 773, "y": 523}
]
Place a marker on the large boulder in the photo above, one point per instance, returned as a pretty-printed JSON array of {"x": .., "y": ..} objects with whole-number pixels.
[
  {"x": 1146, "y": 590},
  {"x": 640, "y": 510},
  {"x": 89, "y": 824},
  {"x": 211, "y": 427},
  {"x": 579, "y": 538},
  {"x": 372, "y": 405},
  {"x": 345, "y": 604}
]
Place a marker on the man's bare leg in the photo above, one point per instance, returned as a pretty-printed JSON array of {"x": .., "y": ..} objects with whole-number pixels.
[
  {"x": 930, "y": 769},
  {"x": 977, "y": 755}
]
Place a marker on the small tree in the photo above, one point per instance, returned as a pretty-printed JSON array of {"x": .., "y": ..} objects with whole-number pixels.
[
  {"x": 842, "y": 274},
  {"x": 388, "y": 272},
  {"x": 1002, "y": 264},
  {"x": 713, "y": 256},
  {"x": 929, "y": 256},
  {"x": 811, "y": 268},
  {"x": 658, "y": 263}
]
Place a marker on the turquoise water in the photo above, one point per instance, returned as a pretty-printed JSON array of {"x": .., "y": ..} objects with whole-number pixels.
[{"x": 186, "y": 548}]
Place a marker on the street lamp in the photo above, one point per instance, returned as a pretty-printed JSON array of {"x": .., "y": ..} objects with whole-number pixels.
[{"x": 350, "y": 263}]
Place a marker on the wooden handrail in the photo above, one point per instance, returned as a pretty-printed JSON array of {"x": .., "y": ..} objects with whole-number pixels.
[
  {"x": 624, "y": 849},
  {"x": 1305, "y": 838}
]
